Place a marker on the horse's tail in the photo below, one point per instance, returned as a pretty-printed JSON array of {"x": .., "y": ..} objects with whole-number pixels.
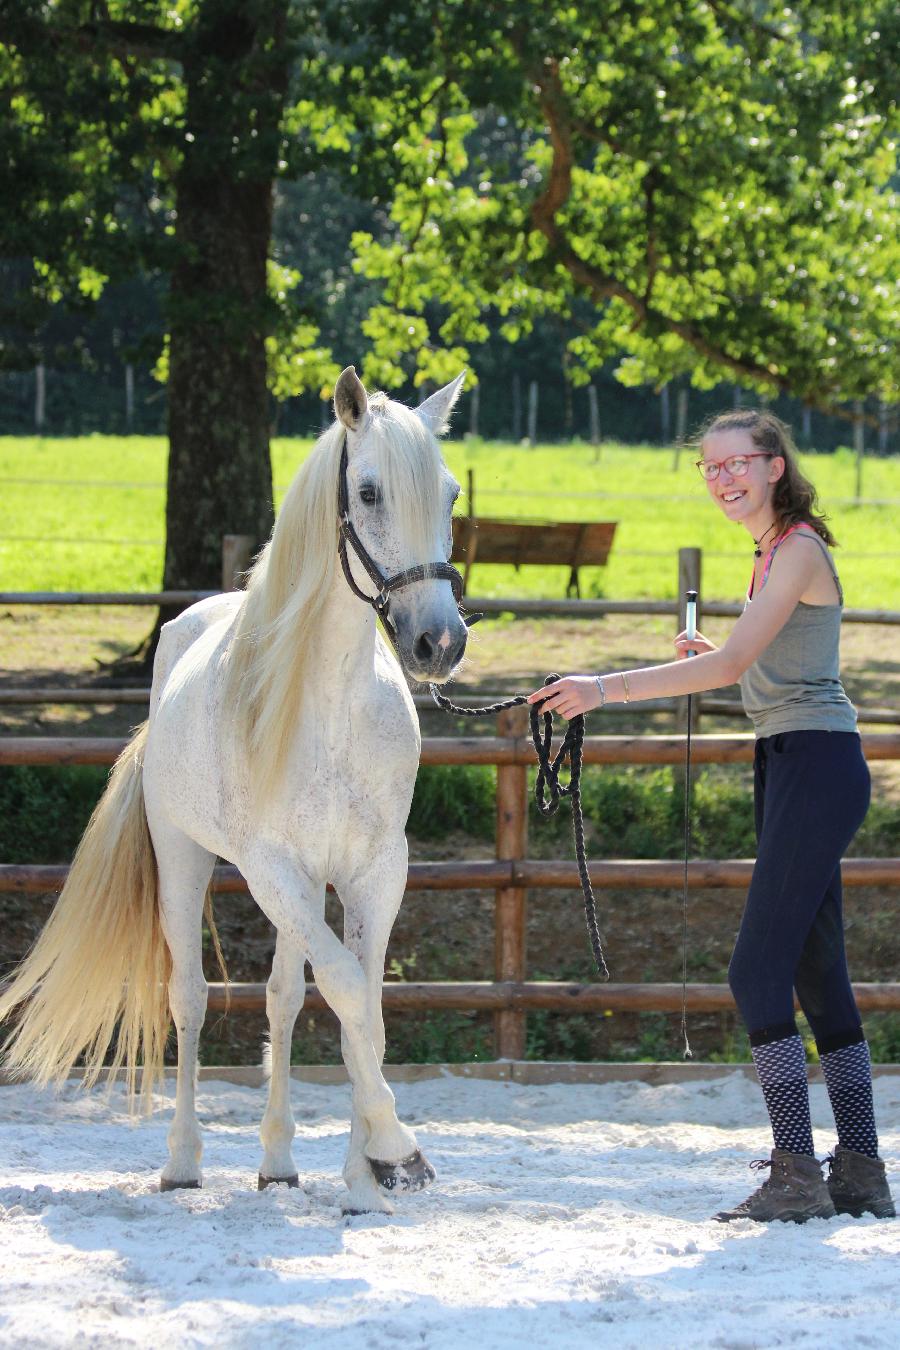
[{"x": 101, "y": 961}]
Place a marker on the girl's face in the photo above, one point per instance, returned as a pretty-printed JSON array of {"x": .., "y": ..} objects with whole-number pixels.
[{"x": 746, "y": 478}]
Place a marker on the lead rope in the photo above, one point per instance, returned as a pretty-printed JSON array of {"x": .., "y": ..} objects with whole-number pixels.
[{"x": 548, "y": 777}]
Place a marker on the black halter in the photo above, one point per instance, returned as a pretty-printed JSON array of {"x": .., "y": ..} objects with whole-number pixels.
[{"x": 442, "y": 571}]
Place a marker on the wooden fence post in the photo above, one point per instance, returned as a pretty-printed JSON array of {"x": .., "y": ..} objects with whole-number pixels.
[
  {"x": 859, "y": 443},
  {"x": 129, "y": 397},
  {"x": 594, "y": 416},
  {"x": 689, "y": 566},
  {"x": 681, "y": 415},
  {"x": 236, "y": 558},
  {"x": 510, "y": 901},
  {"x": 40, "y": 397},
  {"x": 532, "y": 412}
]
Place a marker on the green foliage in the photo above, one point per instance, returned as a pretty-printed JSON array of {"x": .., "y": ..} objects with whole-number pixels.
[
  {"x": 439, "y": 1038},
  {"x": 879, "y": 834},
  {"x": 883, "y": 1035},
  {"x": 639, "y": 813},
  {"x": 44, "y": 810},
  {"x": 689, "y": 189},
  {"x": 453, "y": 797},
  {"x": 558, "y": 1036}
]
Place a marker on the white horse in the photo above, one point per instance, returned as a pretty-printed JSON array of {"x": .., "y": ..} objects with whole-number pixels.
[{"x": 283, "y": 738}]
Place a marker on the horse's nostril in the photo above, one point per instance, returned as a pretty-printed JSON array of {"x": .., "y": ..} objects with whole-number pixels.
[
  {"x": 459, "y": 649},
  {"x": 424, "y": 647}
]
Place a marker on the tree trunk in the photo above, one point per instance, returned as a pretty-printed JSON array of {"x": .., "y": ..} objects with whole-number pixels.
[{"x": 219, "y": 472}]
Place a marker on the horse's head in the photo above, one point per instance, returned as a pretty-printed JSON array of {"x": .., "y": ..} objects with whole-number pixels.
[{"x": 399, "y": 500}]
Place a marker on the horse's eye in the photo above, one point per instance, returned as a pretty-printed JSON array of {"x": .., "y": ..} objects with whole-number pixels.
[{"x": 369, "y": 495}]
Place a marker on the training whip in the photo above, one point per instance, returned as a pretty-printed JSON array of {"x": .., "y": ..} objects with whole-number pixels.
[{"x": 690, "y": 613}]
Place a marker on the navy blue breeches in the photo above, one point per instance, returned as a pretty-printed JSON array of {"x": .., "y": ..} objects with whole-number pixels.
[{"x": 811, "y": 793}]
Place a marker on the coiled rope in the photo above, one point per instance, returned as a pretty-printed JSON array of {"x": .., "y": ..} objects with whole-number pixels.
[{"x": 548, "y": 781}]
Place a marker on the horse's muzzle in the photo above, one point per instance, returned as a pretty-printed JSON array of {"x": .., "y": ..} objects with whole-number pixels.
[{"x": 433, "y": 655}]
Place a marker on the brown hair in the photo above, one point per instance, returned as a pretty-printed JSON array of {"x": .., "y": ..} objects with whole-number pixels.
[{"x": 794, "y": 497}]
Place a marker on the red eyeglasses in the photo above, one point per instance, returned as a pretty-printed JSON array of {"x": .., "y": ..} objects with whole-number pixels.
[{"x": 737, "y": 465}]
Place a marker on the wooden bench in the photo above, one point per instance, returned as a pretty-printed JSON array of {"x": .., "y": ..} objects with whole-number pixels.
[{"x": 570, "y": 543}]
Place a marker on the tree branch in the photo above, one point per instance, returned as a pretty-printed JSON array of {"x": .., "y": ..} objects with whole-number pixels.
[
  {"x": 602, "y": 286},
  {"x": 738, "y": 22},
  {"x": 122, "y": 39},
  {"x": 559, "y": 183}
]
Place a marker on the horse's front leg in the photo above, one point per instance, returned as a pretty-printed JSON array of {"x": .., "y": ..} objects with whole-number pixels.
[
  {"x": 285, "y": 992},
  {"x": 371, "y": 902},
  {"x": 284, "y": 892}
]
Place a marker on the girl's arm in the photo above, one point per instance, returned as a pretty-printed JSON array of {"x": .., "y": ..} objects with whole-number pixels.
[{"x": 791, "y": 572}]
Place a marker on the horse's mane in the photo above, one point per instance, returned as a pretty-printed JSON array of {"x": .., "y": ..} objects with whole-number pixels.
[{"x": 269, "y": 660}]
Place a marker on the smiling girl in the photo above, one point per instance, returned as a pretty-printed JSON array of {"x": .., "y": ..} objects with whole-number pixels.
[{"x": 811, "y": 793}]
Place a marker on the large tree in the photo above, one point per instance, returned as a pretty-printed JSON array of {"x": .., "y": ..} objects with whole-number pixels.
[{"x": 143, "y": 135}]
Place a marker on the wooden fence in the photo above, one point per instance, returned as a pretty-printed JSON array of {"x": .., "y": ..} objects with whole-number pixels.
[
  {"x": 236, "y": 553},
  {"x": 510, "y": 874}
]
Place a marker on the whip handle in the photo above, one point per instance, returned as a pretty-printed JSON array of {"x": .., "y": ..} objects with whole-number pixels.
[{"x": 690, "y": 616}]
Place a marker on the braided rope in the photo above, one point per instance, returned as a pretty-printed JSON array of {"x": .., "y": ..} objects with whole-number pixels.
[{"x": 548, "y": 779}]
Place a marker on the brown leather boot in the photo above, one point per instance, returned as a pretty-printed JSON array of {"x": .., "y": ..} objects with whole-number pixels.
[
  {"x": 858, "y": 1185},
  {"x": 793, "y": 1192}
]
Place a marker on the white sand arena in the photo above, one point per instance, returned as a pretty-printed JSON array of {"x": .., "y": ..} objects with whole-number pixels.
[{"x": 563, "y": 1215}]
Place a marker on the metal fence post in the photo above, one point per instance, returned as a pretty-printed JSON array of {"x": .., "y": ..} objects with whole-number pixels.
[{"x": 510, "y": 901}]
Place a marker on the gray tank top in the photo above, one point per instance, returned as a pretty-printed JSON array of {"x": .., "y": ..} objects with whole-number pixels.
[{"x": 795, "y": 684}]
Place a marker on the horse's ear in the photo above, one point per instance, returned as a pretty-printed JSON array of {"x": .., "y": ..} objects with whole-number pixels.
[
  {"x": 350, "y": 400},
  {"x": 435, "y": 411}
]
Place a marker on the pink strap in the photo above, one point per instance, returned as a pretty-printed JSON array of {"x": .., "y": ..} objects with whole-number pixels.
[{"x": 771, "y": 554}]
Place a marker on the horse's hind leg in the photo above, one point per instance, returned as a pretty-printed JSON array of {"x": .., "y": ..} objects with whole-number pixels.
[
  {"x": 285, "y": 992},
  {"x": 185, "y": 869}
]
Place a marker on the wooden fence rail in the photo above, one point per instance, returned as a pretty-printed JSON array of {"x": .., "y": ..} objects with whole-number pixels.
[
  {"x": 490, "y": 750},
  {"x": 620, "y": 874},
  {"x": 526, "y": 607},
  {"x": 510, "y": 875},
  {"x": 11, "y": 695},
  {"x": 516, "y": 997}
]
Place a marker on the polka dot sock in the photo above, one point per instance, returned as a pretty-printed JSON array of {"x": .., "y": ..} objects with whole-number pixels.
[
  {"x": 781, "y": 1066},
  {"x": 848, "y": 1077}
]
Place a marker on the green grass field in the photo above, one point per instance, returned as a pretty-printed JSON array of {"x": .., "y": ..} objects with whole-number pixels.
[{"x": 88, "y": 514}]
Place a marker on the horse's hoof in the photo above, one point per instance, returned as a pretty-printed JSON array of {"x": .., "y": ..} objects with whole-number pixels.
[
  {"x": 262, "y": 1182},
  {"x": 167, "y": 1185},
  {"x": 409, "y": 1174},
  {"x": 354, "y": 1206}
]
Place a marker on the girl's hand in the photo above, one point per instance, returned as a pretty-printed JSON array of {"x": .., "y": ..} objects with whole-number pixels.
[
  {"x": 569, "y": 696},
  {"x": 696, "y": 645}
]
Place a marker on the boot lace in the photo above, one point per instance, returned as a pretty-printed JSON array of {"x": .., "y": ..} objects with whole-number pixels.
[{"x": 757, "y": 1165}]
